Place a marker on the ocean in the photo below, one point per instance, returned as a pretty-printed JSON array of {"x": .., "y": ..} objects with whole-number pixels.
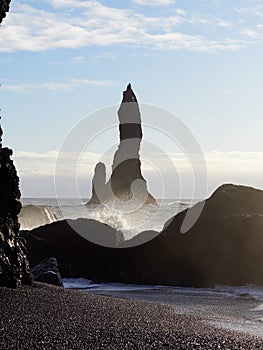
[
  {"x": 237, "y": 308},
  {"x": 150, "y": 217}
]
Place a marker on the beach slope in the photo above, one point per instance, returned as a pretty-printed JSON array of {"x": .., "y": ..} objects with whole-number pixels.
[{"x": 49, "y": 317}]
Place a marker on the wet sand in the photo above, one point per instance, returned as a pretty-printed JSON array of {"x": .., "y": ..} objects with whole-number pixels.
[
  {"x": 47, "y": 317},
  {"x": 231, "y": 312}
]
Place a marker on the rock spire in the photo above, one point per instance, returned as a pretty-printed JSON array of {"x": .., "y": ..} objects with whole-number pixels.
[{"x": 126, "y": 183}]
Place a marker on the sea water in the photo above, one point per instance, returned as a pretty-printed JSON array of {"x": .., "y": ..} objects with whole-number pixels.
[
  {"x": 237, "y": 308},
  {"x": 148, "y": 217}
]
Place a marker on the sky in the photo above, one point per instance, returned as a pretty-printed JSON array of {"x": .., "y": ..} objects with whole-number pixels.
[{"x": 199, "y": 60}]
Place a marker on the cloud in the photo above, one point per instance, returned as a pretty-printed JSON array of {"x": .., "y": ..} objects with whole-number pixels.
[
  {"x": 73, "y": 60},
  {"x": 154, "y": 2},
  {"x": 223, "y": 23},
  {"x": 216, "y": 162},
  {"x": 78, "y": 60},
  {"x": 37, "y": 170},
  {"x": 250, "y": 33},
  {"x": 108, "y": 55},
  {"x": 44, "y": 164},
  {"x": 75, "y": 24},
  {"x": 235, "y": 162},
  {"x": 70, "y": 3},
  {"x": 54, "y": 87},
  {"x": 256, "y": 10}
]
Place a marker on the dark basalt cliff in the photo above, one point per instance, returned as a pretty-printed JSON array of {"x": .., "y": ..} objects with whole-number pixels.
[
  {"x": 14, "y": 267},
  {"x": 4, "y": 8},
  {"x": 126, "y": 183},
  {"x": 224, "y": 246}
]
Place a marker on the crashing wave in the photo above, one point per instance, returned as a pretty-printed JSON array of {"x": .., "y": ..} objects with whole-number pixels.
[{"x": 32, "y": 216}]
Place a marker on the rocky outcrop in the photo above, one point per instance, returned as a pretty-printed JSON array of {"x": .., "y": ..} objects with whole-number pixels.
[
  {"x": 226, "y": 243},
  {"x": 126, "y": 183},
  {"x": 14, "y": 267},
  {"x": 47, "y": 272},
  {"x": 4, "y": 8},
  {"x": 71, "y": 242},
  {"x": 223, "y": 247}
]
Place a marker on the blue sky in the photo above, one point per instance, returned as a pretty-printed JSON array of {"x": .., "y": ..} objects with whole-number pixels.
[{"x": 201, "y": 60}]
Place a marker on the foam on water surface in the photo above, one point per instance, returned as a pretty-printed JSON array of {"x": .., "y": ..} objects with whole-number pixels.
[
  {"x": 223, "y": 306},
  {"x": 32, "y": 216},
  {"x": 248, "y": 292},
  {"x": 86, "y": 284},
  {"x": 148, "y": 217}
]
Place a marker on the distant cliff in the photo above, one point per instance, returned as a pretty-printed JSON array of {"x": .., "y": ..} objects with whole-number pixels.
[
  {"x": 4, "y": 8},
  {"x": 14, "y": 267}
]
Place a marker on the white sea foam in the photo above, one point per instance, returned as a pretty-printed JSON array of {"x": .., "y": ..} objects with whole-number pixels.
[
  {"x": 249, "y": 291},
  {"x": 149, "y": 217},
  {"x": 83, "y": 283},
  {"x": 32, "y": 216},
  {"x": 252, "y": 292},
  {"x": 114, "y": 219}
]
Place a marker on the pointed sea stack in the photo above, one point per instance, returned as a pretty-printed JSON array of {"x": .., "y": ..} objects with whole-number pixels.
[{"x": 126, "y": 181}]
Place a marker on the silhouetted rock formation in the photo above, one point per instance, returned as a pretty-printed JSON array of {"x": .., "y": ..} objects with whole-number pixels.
[
  {"x": 47, "y": 272},
  {"x": 98, "y": 182},
  {"x": 14, "y": 267},
  {"x": 126, "y": 182},
  {"x": 226, "y": 243},
  {"x": 223, "y": 247},
  {"x": 4, "y": 8},
  {"x": 71, "y": 243}
]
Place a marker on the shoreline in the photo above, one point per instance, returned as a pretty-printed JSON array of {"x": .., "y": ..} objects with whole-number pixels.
[
  {"x": 228, "y": 312},
  {"x": 48, "y": 317}
]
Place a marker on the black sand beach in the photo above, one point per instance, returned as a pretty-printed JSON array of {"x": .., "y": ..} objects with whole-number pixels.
[
  {"x": 237, "y": 312},
  {"x": 47, "y": 317}
]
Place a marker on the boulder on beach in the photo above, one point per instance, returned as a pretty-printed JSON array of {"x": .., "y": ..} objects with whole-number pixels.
[
  {"x": 47, "y": 271},
  {"x": 71, "y": 242},
  {"x": 224, "y": 246}
]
